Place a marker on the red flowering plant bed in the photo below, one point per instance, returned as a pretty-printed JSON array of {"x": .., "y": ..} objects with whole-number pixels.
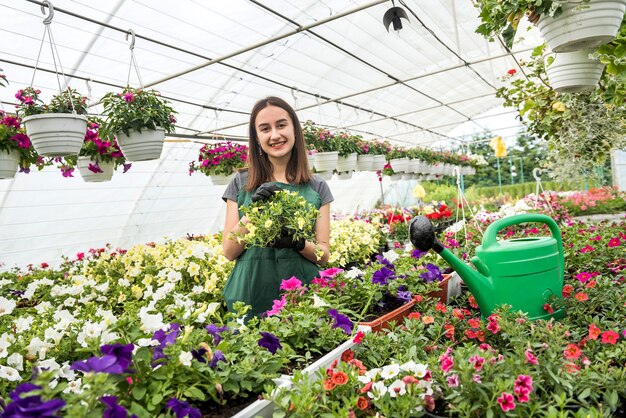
[
  {"x": 594, "y": 201},
  {"x": 222, "y": 158}
]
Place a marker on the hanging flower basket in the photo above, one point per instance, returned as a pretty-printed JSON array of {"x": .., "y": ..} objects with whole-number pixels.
[
  {"x": 56, "y": 134},
  {"x": 347, "y": 163},
  {"x": 399, "y": 165},
  {"x": 95, "y": 171},
  {"x": 379, "y": 162},
  {"x": 364, "y": 162},
  {"x": 220, "y": 179},
  {"x": 582, "y": 25},
  {"x": 311, "y": 158},
  {"x": 326, "y": 175},
  {"x": 346, "y": 175},
  {"x": 572, "y": 72},
  {"x": 326, "y": 161},
  {"x": 142, "y": 146},
  {"x": 8, "y": 164}
]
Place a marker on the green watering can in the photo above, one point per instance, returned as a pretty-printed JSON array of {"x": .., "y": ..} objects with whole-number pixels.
[{"x": 522, "y": 272}]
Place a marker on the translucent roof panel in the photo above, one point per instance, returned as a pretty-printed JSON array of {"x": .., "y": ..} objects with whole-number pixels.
[{"x": 333, "y": 60}]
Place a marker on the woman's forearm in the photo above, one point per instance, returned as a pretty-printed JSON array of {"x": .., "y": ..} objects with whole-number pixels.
[
  {"x": 230, "y": 243},
  {"x": 309, "y": 252}
]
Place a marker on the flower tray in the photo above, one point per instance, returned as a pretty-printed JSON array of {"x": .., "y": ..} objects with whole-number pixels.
[{"x": 403, "y": 311}]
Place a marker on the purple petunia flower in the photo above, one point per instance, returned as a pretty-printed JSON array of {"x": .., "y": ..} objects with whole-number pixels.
[
  {"x": 216, "y": 332},
  {"x": 127, "y": 167},
  {"x": 269, "y": 341},
  {"x": 217, "y": 357},
  {"x": 382, "y": 260},
  {"x": 113, "y": 409},
  {"x": 431, "y": 274},
  {"x": 383, "y": 276},
  {"x": 341, "y": 321},
  {"x": 94, "y": 168},
  {"x": 164, "y": 338},
  {"x": 199, "y": 354},
  {"x": 31, "y": 406},
  {"x": 417, "y": 253},
  {"x": 182, "y": 409},
  {"x": 116, "y": 359},
  {"x": 404, "y": 296}
]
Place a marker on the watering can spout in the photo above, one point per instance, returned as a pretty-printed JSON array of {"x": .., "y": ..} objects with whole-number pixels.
[{"x": 422, "y": 235}]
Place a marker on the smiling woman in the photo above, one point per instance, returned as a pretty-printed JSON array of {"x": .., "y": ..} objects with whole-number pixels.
[{"x": 277, "y": 161}]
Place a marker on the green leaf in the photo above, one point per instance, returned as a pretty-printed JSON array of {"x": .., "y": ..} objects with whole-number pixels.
[
  {"x": 195, "y": 393},
  {"x": 584, "y": 394},
  {"x": 157, "y": 398},
  {"x": 139, "y": 392},
  {"x": 139, "y": 410}
]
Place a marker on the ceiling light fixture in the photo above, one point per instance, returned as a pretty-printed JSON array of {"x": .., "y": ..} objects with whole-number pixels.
[{"x": 394, "y": 15}]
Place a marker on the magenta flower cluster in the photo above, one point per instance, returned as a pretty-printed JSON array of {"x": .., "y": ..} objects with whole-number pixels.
[
  {"x": 13, "y": 123},
  {"x": 220, "y": 158}
]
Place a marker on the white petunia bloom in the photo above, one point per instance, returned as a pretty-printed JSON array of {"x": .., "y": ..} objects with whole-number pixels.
[
  {"x": 420, "y": 370},
  {"x": 54, "y": 335},
  {"x": 193, "y": 269},
  {"x": 318, "y": 302},
  {"x": 146, "y": 342},
  {"x": 397, "y": 388},
  {"x": 353, "y": 273},
  {"x": 49, "y": 364},
  {"x": 37, "y": 347},
  {"x": 174, "y": 276},
  {"x": 6, "y": 306},
  {"x": 185, "y": 358},
  {"x": 390, "y": 371},
  {"x": 391, "y": 255},
  {"x": 123, "y": 283},
  {"x": 74, "y": 386},
  {"x": 69, "y": 302},
  {"x": 43, "y": 307},
  {"x": 108, "y": 337},
  {"x": 10, "y": 374},
  {"x": 196, "y": 290},
  {"x": 377, "y": 391},
  {"x": 103, "y": 288},
  {"x": 63, "y": 319},
  {"x": 151, "y": 322},
  {"x": 65, "y": 372},
  {"x": 364, "y": 379},
  {"x": 23, "y": 323},
  {"x": 90, "y": 331},
  {"x": 5, "y": 282},
  {"x": 16, "y": 360}
]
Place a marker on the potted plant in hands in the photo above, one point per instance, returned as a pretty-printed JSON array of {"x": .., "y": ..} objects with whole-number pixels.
[
  {"x": 566, "y": 26},
  {"x": 220, "y": 161},
  {"x": 57, "y": 129},
  {"x": 139, "y": 118},
  {"x": 16, "y": 149}
]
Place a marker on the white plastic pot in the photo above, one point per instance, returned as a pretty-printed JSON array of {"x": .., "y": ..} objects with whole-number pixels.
[
  {"x": 8, "y": 164},
  {"x": 220, "y": 179},
  {"x": 326, "y": 161},
  {"x": 572, "y": 72},
  {"x": 379, "y": 162},
  {"x": 142, "y": 146},
  {"x": 582, "y": 25},
  {"x": 346, "y": 163},
  {"x": 91, "y": 177},
  {"x": 364, "y": 162},
  {"x": 56, "y": 134}
]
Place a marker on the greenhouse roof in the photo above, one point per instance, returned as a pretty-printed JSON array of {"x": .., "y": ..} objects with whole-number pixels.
[{"x": 333, "y": 60}]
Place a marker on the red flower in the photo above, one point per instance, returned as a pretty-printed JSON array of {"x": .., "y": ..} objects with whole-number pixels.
[
  {"x": 347, "y": 355},
  {"x": 340, "y": 378},
  {"x": 512, "y": 71},
  {"x": 572, "y": 352},
  {"x": 548, "y": 308},
  {"x": 614, "y": 242},
  {"x": 362, "y": 403},
  {"x": 506, "y": 402},
  {"x": 609, "y": 337},
  {"x": 594, "y": 332},
  {"x": 358, "y": 337},
  {"x": 580, "y": 296},
  {"x": 567, "y": 290},
  {"x": 415, "y": 315}
]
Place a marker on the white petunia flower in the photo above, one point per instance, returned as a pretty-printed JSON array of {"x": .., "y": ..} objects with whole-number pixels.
[
  {"x": 10, "y": 374},
  {"x": 151, "y": 322},
  {"x": 377, "y": 391},
  {"x": 54, "y": 335},
  {"x": 185, "y": 358},
  {"x": 74, "y": 386},
  {"x": 146, "y": 342},
  {"x": 391, "y": 255},
  {"x": 38, "y": 347},
  {"x": 318, "y": 302},
  {"x": 23, "y": 323},
  {"x": 16, "y": 360},
  {"x": 397, "y": 388},
  {"x": 6, "y": 306},
  {"x": 123, "y": 283},
  {"x": 353, "y": 273},
  {"x": 193, "y": 269},
  {"x": 42, "y": 307},
  {"x": 49, "y": 364},
  {"x": 390, "y": 371},
  {"x": 196, "y": 290}
]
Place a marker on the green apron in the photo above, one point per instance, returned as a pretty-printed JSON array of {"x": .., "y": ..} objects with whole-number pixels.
[{"x": 258, "y": 272}]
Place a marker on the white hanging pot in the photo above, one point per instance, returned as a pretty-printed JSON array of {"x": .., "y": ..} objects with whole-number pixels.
[
  {"x": 326, "y": 175},
  {"x": 379, "y": 162},
  {"x": 56, "y": 134},
  {"x": 221, "y": 179},
  {"x": 311, "y": 158},
  {"x": 326, "y": 161},
  {"x": 399, "y": 164},
  {"x": 344, "y": 176},
  {"x": 582, "y": 25},
  {"x": 346, "y": 163},
  {"x": 142, "y": 146},
  {"x": 91, "y": 177},
  {"x": 572, "y": 72},
  {"x": 364, "y": 162},
  {"x": 9, "y": 162}
]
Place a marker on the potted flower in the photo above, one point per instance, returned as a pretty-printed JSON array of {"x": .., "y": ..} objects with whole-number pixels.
[
  {"x": 98, "y": 158},
  {"x": 324, "y": 143},
  {"x": 220, "y": 161},
  {"x": 139, "y": 118},
  {"x": 16, "y": 149},
  {"x": 56, "y": 129},
  {"x": 566, "y": 26},
  {"x": 348, "y": 151},
  {"x": 379, "y": 150}
]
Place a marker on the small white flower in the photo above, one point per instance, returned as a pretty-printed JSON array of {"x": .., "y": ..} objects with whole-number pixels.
[
  {"x": 318, "y": 302},
  {"x": 353, "y": 273},
  {"x": 391, "y": 255},
  {"x": 377, "y": 391},
  {"x": 390, "y": 371},
  {"x": 147, "y": 342},
  {"x": 193, "y": 269},
  {"x": 73, "y": 386},
  {"x": 16, "y": 360},
  {"x": 397, "y": 388},
  {"x": 10, "y": 374},
  {"x": 196, "y": 290},
  {"x": 6, "y": 306},
  {"x": 185, "y": 358}
]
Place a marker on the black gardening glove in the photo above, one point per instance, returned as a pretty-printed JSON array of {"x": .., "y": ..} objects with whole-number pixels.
[
  {"x": 286, "y": 240},
  {"x": 264, "y": 191}
]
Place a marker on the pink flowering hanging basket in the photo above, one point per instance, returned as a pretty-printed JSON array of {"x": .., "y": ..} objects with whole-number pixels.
[
  {"x": 142, "y": 146},
  {"x": 8, "y": 164},
  {"x": 88, "y": 170},
  {"x": 56, "y": 134}
]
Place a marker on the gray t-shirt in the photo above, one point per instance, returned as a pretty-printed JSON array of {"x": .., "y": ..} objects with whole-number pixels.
[{"x": 241, "y": 178}]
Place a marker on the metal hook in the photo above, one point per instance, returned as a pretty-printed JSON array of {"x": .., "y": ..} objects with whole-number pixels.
[
  {"x": 132, "y": 38},
  {"x": 50, "y": 7},
  {"x": 537, "y": 173},
  {"x": 294, "y": 90},
  {"x": 457, "y": 172}
]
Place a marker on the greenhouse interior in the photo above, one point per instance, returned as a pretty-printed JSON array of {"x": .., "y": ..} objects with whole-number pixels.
[{"x": 335, "y": 208}]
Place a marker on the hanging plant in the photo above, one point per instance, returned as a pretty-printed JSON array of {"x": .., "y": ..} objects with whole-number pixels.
[{"x": 222, "y": 158}]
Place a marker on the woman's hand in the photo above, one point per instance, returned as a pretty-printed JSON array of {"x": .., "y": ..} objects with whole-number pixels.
[
  {"x": 286, "y": 240},
  {"x": 264, "y": 192}
]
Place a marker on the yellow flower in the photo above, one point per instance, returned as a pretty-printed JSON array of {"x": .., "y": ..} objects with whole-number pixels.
[
  {"x": 268, "y": 223},
  {"x": 137, "y": 292},
  {"x": 559, "y": 106},
  {"x": 300, "y": 223}
]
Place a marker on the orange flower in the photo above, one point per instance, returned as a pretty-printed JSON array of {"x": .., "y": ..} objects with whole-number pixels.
[
  {"x": 567, "y": 290},
  {"x": 340, "y": 378},
  {"x": 362, "y": 403},
  {"x": 441, "y": 307},
  {"x": 415, "y": 315},
  {"x": 594, "y": 332},
  {"x": 572, "y": 352},
  {"x": 328, "y": 384},
  {"x": 426, "y": 319},
  {"x": 367, "y": 387},
  {"x": 581, "y": 296},
  {"x": 347, "y": 355},
  {"x": 591, "y": 284},
  {"x": 474, "y": 322},
  {"x": 472, "y": 302}
]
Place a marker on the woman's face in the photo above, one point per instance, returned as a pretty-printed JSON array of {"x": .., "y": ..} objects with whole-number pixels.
[{"x": 275, "y": 132}]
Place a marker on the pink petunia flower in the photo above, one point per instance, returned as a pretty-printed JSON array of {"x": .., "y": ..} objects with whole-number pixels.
[
  {"x": 587, "y": 249},
  {"x": 478, "y": 362},
  {"x": 129, "y": 97},
  {"x": 524, "y": 381},
  {"x": 530, "y": 357},
  {"x": 583, "y": 276},
  {"x": 331, "y": 272},
  {"x": 447, "y": 363},
  {"x": 506, "y": 402},
  {"x": 453, "y": 380},
  {"x": 277, "y": 306},
  {"x": 291, "y": 284},
  {"x": 614, "y": 242},
  {"x": 594, "y": 332},
  {"x": 476, "y": 378}
]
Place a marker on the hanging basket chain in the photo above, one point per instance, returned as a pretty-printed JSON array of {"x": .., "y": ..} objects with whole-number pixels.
[
  {"x": 53, "y": 47},
  {"x": 537, "y": 176},
  {"x": 133, "y": 61}
]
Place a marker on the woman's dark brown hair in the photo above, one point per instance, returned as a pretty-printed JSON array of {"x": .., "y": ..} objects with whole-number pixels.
[{"x": 259, "y": 166}]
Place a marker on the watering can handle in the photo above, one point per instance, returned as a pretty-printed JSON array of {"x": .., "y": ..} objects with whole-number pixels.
[{"x": 493, "y": 229}]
